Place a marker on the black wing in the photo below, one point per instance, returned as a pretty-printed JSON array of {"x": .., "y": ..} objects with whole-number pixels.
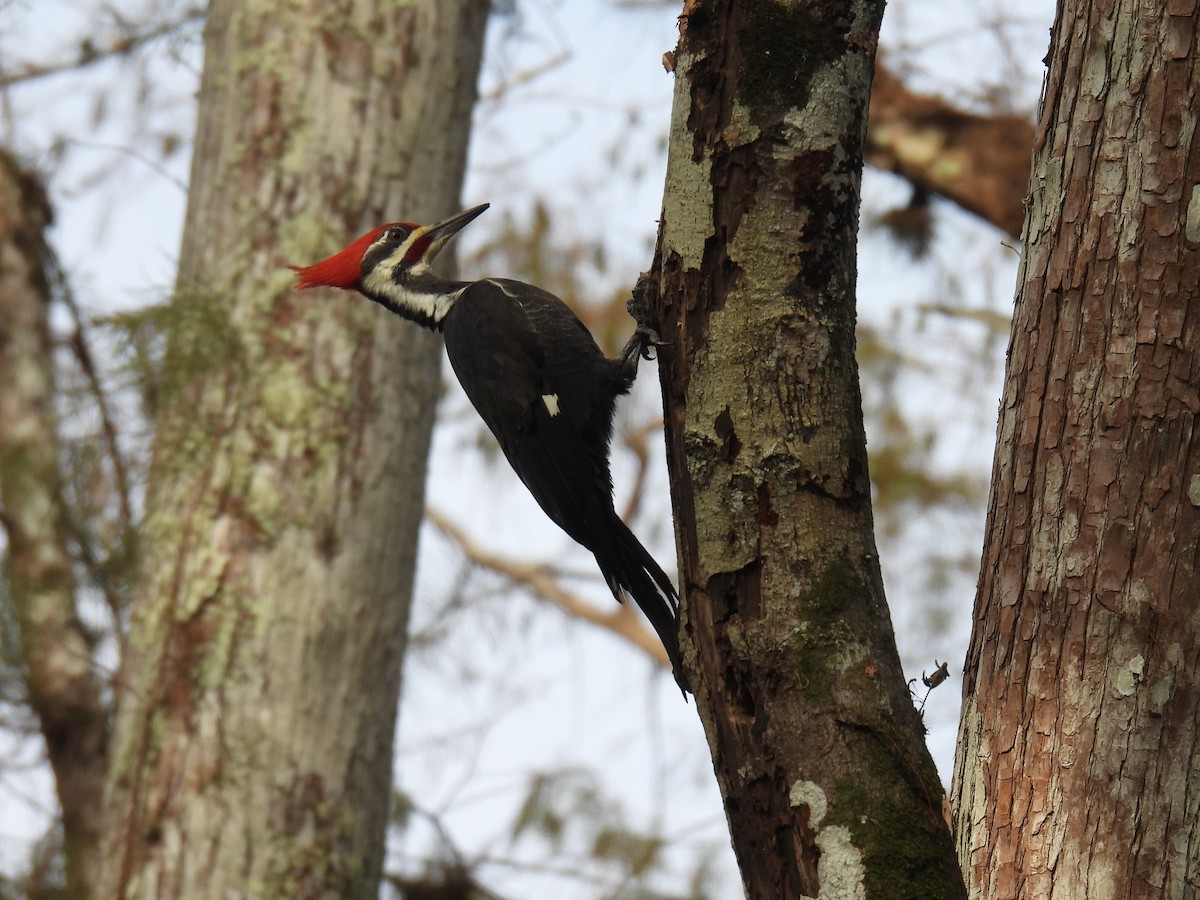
[{"x": 535, "y": 375}]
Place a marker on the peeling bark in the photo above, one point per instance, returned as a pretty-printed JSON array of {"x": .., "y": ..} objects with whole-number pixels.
[
  {"x": 818, "y": 751},
  {"x": 253, "y": 750},
  {"x": 1079, "y": 746},
  {"x": 64, "y": 691}
]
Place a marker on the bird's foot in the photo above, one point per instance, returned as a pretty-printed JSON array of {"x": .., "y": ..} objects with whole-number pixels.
[
  {"x": 645, "y": 337},
  {"x": 641, "y": 343}
]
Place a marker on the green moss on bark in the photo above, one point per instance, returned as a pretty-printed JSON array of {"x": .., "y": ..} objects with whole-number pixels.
[
  {"x": 783, "y": 47},
  {"x": 904, "y": 857},
  {"x": 824, "y": 636}
]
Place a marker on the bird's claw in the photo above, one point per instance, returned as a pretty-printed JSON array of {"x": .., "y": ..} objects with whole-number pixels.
[
  {"x": 644, "y": 335},
  {"x": 647, "y": 339}
]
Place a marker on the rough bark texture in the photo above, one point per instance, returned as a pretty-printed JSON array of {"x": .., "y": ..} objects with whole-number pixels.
[
  {"x": 828, "y": 788},
  {"x": 979, "y": 162},
  {"x": 1078, "y": 773},
  {"x": 254, "y": 739},
  {"x": 62, "y": 684}
]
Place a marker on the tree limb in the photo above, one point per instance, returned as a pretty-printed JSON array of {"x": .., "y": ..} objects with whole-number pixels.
[
  {"x": 88, "y": 53},
  {"x": 622, "y": 621},
  {"x": 980, "y": 163},
  {"x": 636, "y": 441}
]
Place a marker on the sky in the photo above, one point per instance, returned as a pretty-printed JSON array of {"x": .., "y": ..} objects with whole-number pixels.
[{"x": 574, "y": 111}]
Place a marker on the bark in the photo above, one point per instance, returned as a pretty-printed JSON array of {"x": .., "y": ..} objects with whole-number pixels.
[
  {"x": 1078, "y": 770},
  {"x": 818, "y": 751},
  {"x": 253, "y": 750},
  {"x": 979, "y": 162},
  {"x": 61, "y": 681}
]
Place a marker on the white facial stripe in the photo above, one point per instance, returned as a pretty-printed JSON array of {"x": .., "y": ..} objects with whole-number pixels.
[
  {"x": 431, "y": 307},
  {"x": 551, "y": 401}
]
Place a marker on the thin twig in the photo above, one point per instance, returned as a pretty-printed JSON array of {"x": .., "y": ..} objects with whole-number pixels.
[
  {"x": 138, "y": 156},
  {"x": 122, "y": 45},
  {"x": 81, "y": 349},
  {"x": 528, "y": 75},
  {"x": 87, "y": 364}
]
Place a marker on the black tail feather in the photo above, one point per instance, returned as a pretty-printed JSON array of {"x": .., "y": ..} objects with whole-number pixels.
[{"x": 629, "y": 567}]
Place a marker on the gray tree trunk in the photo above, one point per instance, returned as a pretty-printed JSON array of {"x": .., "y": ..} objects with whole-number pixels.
[
  {"x": 253, "y": 748},
  {"x": 818, "y": 751},
  {"x": 63, "y": 687},
  {"x": 1078, "y": 769}
]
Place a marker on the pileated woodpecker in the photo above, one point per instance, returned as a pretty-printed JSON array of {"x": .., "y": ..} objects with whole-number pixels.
[{"x": 535, "y": 375}]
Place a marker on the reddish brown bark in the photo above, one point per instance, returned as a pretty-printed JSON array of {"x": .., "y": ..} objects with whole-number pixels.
[{"x": 1079, "y": 747}]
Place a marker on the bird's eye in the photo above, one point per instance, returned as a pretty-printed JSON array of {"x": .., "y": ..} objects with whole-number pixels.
[{"x": 397, "y": 233}]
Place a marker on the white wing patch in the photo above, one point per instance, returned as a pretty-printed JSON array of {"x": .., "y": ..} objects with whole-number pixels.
[{"x": 551, "y": 401}]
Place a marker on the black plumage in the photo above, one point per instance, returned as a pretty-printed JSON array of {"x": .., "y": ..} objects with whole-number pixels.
[{"x": 548, "y": 393}]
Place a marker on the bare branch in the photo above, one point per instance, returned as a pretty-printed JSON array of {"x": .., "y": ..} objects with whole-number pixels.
[
  {"x": 527, "y": 76},
  {"x": 89, "y": 54},
  {"x": 81, "y": 349},
  {"x": 635, "y": 440},
  {"x": 137, "y": 156},
  {"x": 87, "y": 364},
  {"x": 622, "y": 621}
]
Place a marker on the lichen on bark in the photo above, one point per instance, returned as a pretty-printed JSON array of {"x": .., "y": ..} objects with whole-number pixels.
[
  {"x": 258, "y": 696},
  {"x": 784, "y": 621}
]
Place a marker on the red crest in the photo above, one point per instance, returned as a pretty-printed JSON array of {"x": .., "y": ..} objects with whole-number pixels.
[{"x": 343, "y": 269}]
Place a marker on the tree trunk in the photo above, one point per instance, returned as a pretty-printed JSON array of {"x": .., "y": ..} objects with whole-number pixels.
[
  {"x": 63, "y": 687},
  {"x": 1079, "y": 747},
  {"x": 253, "y": 751},
  {"x": 818, "y": 750}
]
